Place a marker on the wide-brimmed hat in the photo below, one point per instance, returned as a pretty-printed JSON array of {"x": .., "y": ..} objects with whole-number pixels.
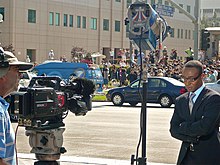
[
  {"x": 10, "y": 57},
  {"x": 13, "y": 61}
]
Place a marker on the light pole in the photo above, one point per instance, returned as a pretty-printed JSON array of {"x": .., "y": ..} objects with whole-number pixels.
[{"x": 195, "y": 20}]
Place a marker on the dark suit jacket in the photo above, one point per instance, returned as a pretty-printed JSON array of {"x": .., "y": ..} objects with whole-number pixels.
[{"x": 200, "y": 128}]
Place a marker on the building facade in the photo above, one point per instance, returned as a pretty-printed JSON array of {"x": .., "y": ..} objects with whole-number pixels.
[{"x": 34, "y": 27}]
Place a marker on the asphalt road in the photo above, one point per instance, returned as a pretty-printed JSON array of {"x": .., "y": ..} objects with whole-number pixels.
[{"x": 113, "y": 132}]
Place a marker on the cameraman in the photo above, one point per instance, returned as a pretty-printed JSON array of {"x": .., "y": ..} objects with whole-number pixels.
[{"x": 9, "y": 80}]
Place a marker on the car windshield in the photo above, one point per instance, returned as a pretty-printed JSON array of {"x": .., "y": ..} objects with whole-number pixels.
[{"x": 136, "y": 84}]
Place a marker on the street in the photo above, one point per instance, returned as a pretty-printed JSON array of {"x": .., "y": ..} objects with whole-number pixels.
[{"x": 113, "y": 132}]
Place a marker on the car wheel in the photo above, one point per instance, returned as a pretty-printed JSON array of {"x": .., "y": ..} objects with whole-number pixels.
[
  {"x": 165, "y": 101},
  {"x": 133, "y": 104},
  {"x": 117, "y": 99}
]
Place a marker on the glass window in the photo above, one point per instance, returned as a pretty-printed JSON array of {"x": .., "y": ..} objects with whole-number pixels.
[
  {"x": 137, "y": 84},
  {"x": 172, "y": 32},
  {"x": 156, "y": 83},
  {"x": 32, "y": 54},
  {"x": 84, "y": 23},
  {"x": 188, "y": 9},
  {"x": 65, "y": 20},
  {"x": 178, "y": 33},
  {"x": 78, "y": 23},
  {"x": 186, "y": 35},
  {"x": 189, "y": 33},
  {"x": 70, "y": 20},
  {"x": 31, "y": 16},
  {"x": 129, "y": 2},
  {"x": 2, "y": 12},
  {"x": 117, "y": 26},
  {"x": 181, "y": 33},
  {"x": 152, "y": 2},
  {"x": 160, "y": 2},
  {"x": 106, "y": 24},
  {"x": 181, "y": 5},
  {"x": 117, "y": 0},
  {"x": 127, "y": 28},
  {"x": 57, "y": 19},
  {"x": 93, "y": 23},
  {"x": 166, "y": 3},
  {"x": 51, "y": 18}
]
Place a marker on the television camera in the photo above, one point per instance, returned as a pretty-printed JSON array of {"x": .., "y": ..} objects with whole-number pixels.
[{"x": 41, "y": 108}]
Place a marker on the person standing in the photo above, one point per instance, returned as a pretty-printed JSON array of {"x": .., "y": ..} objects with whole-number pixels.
[
  {"x": 196, "y": 119},
  {"x": 9, "y": 80},
  {"x": 51, "y": 55}
]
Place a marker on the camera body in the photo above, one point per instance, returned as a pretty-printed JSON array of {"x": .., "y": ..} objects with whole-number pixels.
[{"x": 47, "y": 100}]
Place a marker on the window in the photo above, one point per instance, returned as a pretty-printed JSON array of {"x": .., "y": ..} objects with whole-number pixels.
[
  {"x": 117, "y": 0},
  {"x": 181, "y": 33},
  {"x": 2, "y": 12},
  {"x": 31, "y": 16},
  {"x": 160, "y": 2},
  {"x": 188, "y": 9},
  {"x": 106, "y": 24},
  {"x": 32, "y": 54},
  {"x": 181, "y": 5},
  {"x": 129, "y": 2},
  {"x": 93, "y": 23},
  {"x": 57, "y": 19},
  {"x": 207, "y": 11},
  {"x": 78, "y": 21},
  {"x": 152, "y": 2},
  {"x": 127, "y": 28},
  {"x": 117, "y": 26},
  {"x": 51, "y": 18},
  {"x": 189, "y": 33},
  {"x": 156, "y": 83},
  {"x": 65, "y": 20},
  {"x": 71, "y": 21},
  {"x": 166, "y": 3},
  {"x": 186, "y": 35},
  {"x": 178, "y": 33},
  {"x": 172, "y": 32},
  {"x": 84, "y": 23}
]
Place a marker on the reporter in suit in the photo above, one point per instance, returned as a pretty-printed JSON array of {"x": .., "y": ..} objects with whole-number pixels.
[{"x": 199, "y": 129}]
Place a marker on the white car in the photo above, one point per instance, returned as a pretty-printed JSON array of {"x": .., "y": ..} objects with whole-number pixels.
[{"x": 214, "y": 86}]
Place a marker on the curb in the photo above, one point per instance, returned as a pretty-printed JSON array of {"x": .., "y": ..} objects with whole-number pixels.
[{"x": 27, "y": 159}]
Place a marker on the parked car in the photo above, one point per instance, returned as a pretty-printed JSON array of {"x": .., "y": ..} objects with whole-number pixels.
[
  {"x": 214, "y": 86},
  {"x": 162, "y": 90}
]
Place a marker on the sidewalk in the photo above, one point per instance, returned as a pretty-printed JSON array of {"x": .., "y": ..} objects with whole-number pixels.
[{"x": 29, "y": 159}]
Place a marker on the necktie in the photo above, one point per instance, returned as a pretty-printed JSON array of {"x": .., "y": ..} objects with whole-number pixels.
[{"x": 191, "y": 102}]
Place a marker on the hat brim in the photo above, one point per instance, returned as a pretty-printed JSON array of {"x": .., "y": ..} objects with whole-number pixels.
[{"x": 22, "y": 65}]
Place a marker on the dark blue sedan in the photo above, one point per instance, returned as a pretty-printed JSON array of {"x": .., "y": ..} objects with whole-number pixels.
[{"x": 162, "y": 90}]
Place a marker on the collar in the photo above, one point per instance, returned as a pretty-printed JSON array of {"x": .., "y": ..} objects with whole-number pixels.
[{"x": 198, "y": 91}]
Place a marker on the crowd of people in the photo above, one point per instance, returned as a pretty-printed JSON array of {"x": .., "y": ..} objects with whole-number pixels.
[{"x": 168, "y": 66}]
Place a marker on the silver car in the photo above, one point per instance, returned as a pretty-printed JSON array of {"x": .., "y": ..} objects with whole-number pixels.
[{"x": 214, "y": 86}]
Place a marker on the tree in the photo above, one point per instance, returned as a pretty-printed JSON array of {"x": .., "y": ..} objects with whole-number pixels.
[
  {"x": 9, "y": 48},
  {"x": 77, "y": 53}
]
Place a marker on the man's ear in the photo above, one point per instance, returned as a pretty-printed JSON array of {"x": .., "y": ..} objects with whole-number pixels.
[{"x": 202, "y": 75}]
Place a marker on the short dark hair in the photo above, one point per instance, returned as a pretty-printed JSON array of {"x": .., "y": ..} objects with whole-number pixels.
[{"x": 194, "y": 64}]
